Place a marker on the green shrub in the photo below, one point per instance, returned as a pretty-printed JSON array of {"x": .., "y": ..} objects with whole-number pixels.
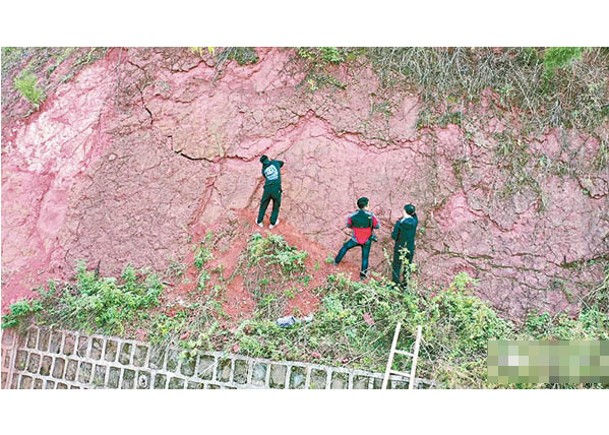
[
  {"x": 274, "y": 250},
  {"x": 243, "y": 55},
  {"x": 95, "y": 304},
  {"x": 19, "y": 311},
  {"x": 202, "y": 255},
  {"x": 355, "y": 322},
  {"x": 165, "y": 329},
  {"x": 559, "y": 57},
  {"x": 316, "y": 62},
  {"x": 27, "y": 85}
]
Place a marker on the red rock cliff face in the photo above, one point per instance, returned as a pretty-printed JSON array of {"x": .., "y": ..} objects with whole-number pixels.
[{"x": 141, "y": 147}]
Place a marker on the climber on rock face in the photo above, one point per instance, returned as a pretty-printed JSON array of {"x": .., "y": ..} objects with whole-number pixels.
[
  {"x": 272, "y": 190},
  {"x": 403, "y": 233},
  {"x": 362, "y": 222}
]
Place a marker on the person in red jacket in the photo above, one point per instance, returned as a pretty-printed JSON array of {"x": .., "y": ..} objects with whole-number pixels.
[{"x": 362, "y": 222}]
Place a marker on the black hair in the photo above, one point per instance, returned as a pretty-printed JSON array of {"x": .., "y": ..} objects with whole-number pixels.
[
  {"x": 409, "y": 208},
  {"x": 264, "y": 159},
  {"x": 362, "y": 202}
]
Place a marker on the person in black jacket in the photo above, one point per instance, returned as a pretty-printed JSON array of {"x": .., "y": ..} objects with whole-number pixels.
[
  {"x": 404, "y": 233},
  {"x": 272, "y": 190}
]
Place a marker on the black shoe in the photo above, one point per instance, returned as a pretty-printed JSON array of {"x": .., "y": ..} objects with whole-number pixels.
[{"x": 363, "y": 275}]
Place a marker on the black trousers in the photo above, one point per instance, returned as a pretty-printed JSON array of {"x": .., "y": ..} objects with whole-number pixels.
[
  {"x": 397, "y": 262},
  {"x": 349, "y": 244},
  {"x": 270, "y": 193}
]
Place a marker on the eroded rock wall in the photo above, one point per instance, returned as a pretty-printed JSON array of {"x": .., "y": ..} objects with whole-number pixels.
[{"x": 160, "y": 140}]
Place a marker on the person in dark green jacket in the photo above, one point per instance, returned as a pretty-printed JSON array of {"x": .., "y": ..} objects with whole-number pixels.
[
  {"x": 271, "y": 170},
  {"x": 404, "y": 233}
]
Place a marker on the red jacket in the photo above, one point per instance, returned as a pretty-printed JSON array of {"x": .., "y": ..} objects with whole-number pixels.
[{"x": 362, "y": 222}]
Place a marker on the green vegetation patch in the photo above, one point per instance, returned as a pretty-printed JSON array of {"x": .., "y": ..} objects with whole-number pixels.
[
  {"x": 91, "y": 303},
  {"x": 27, "y": 85},
  {"x": 544, "y": 88},
  {"x": 271, "y": 269},
  {"x": 352, "y": 327}
]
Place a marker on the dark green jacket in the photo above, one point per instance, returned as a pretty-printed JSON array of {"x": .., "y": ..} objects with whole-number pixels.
[{"x": 404, "y": 232}]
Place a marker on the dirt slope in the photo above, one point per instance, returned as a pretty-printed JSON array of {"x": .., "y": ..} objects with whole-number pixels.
[{"x": 143, "y": 151}]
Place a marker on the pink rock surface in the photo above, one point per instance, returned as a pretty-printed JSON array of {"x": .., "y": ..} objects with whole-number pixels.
[{"x": 123, "y": 162}]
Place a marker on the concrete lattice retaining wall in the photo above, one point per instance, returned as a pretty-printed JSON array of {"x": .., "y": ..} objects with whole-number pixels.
[{"x": 56, "y": 359}]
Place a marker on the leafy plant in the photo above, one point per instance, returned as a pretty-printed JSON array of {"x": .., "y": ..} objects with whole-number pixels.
[
  {"x": 176, "y": 269},
  {"x": 165, "y": 329},
  {"x": 202, "y": 255},
  {"x": 242, "y": 55},
  {"x": 201, "y": 51},
  {"x": 559, "y": 57},
  {"x": 204, "y": 278},
  {"x": 27, "y": 85},
  {"x": 274, "y": 250},
  {"x": 19, "y": 311},
  {"x": 316, "y": 62},
  {"x": 99, "y": 304}
]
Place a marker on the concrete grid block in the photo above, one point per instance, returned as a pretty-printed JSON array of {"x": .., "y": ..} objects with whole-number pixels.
[
  {"x": 26, "y": 382},
  {"x": 206, "y": 367},
  {"x": 361, "y": 382},
  {"x": 76, "y": 360},
  {"x": 33, "y": 363},
  {"x": 298, "y": 377},
  {"x": 224, "y": 369},
  {"x": 99, "y": 375},
  {"x": 111, "y": 350},
  {"x": 43, "y": 340},
  {"x": 340, "y": 381},
  {"x": 97, "y": 345},
  {"x": 278, "y": 377},
  {"x": 160, "y": 381},
  {"x": 241, "y": 372},
  {"x": 55, "y": 343},
  {"x": 157, "y": 358},
  {"x": 259, "y": 374},
  {"x": 143, "y": 380},
  {"x": 318, "y": 379},
  {"x": 82, "y": 348},
  {"x": 125, "y": 354},
  {"x": 173, "y": 360},
  {"x": 32, "y": 338},
  {"x": 21, "y": 360},
  {"x": 176, "y": 383},
  {"x": 15, "y": 381},
  {"x": 45, "y": 367},
  {"x": 195, "y": 385},
  {"x": 58, "y": 368},
  {"x": 71, "y": 370},
  {"x": 128, "y": 382},
  {"x": 6, "y": 359},
  {"x": 140, "y": 356},
  {"x": 69, "y": 344},
  {"x": 84, "y": 372},
  {"x": 8, "y": 338},
  {"x": 187, "y": 368},
  {"x": 114, "y": 377}
]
